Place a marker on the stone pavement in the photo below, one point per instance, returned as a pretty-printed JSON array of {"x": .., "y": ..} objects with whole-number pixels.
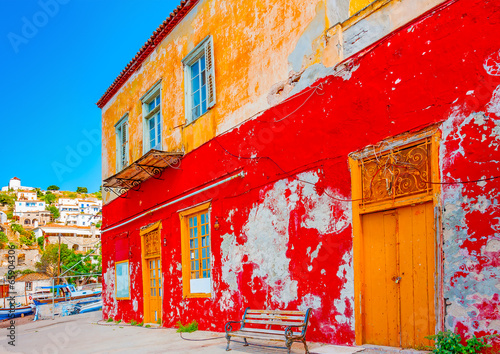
[{"x": 82, "y": 334}]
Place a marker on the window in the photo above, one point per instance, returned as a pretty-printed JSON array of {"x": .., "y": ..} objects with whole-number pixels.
[
  {"x": 196, "y": 255},
  {"x": 151, "y": 107},
  {"x": 199, "y": 80},
  {"x": 121, "y": 129},
  {"x": 21, "y": 259},
  {"x": 29, "y": 286},
  {"x": 122, "y": 281}
]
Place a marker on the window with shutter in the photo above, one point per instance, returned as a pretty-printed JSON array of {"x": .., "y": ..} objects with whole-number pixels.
[
  {"x": 122, "y": 143},
  {"x": 151, "y": 107},
  {"x": 199, "y": 70}
]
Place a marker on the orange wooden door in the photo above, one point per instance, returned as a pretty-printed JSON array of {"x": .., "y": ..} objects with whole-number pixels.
[
  {"x": 398, "y": 263},
  {"x": 154, "y": 293}
]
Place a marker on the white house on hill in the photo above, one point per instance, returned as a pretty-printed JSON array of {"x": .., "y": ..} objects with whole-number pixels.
[{"x": 15, "y": 184}]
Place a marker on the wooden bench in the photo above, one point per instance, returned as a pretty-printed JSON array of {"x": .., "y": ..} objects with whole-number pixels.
[{"x": 271, "y": 325}]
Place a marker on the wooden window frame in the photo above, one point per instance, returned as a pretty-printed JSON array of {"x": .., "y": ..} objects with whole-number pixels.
[
  {"x": 185, "y": 250},
  {"x": 122, "y": 161},
  {"x": 116, "y": 281},
  {"x": 152, "y": 93},
  {"x": 204, "y": 48}
]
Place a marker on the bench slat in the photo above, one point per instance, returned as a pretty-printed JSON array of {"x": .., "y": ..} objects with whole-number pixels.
[
  {"x": 273, "y": 337},
  {"x": 266, "y": 331},
  {"x": 274, "y": 317},
  {"x": 275, "y": 323},
  {"x": 278, "y": 312}
]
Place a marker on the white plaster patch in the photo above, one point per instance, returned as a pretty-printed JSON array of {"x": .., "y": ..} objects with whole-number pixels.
[
  {"x": 226, "y": 301},
  {"x": 494, "y": 104},
  {"x": 314, "y": 254},
  {"x": 345, "y": 272},
  {"x": 492, "y": 64},
  {"x": 493, "y": 245},
  {"x": 310, "y": 301},
  {"x": 110, "y": 304},
  {"x": 482, "y": 203},
  {"x": 266, "y": 232}
]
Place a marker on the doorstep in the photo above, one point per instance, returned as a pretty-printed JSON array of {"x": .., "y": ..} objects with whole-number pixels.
[{"x": 375, "y": 349}]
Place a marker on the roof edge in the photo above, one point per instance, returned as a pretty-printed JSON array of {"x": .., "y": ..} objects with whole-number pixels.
[{"x": 158, "y": 35}]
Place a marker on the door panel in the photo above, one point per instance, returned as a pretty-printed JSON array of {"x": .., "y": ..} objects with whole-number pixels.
[
  {"x": 380, "y": 297},
  {"x": 398, "y": 276},
  {"x": 154, "y": 291},
  {"x": 417, "y": 273}
]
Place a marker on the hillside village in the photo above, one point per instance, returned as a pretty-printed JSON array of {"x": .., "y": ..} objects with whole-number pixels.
[{"x": 32, "y": 219}]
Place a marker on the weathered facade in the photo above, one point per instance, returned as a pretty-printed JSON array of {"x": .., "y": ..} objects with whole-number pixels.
[{"x": 349, "y": 164}]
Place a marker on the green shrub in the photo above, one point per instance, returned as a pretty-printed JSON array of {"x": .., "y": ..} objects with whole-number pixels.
[
  {"x": 117, "y": 322},
  {"x": 148, "y": 326},
  {"x": 451, "y": 343},
  {"x": 13, "y": 245},
  {"x": 4, "y": 240},
  {"x": 192, "y": 327},
  {"x": 41, "y": 242},
  {"x": 133, "y": 323},
  {"x": 110, "y": 320},
  {"x": 140, "y": 324}
]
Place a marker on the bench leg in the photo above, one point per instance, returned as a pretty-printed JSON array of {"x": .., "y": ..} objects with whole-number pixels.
[
  {"x": 246, "y": 343},
  {"x": 228, "y": 338},
  {"x": 289, "y": 345},
  {"x": 305, "y": 346}
]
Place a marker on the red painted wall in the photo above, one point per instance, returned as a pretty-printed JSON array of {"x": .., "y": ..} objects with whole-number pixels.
[{"x": 443, "y": 68}]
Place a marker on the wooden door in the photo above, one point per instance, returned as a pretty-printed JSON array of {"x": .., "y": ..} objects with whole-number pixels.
[
  {"x": 154, "y": 290},
  {"x": 398, "y": 272}
]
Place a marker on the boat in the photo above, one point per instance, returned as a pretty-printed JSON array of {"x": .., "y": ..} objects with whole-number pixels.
[
  {"x": 93, "y": 306},
  {"x": 65, "y": 292},
  {"x": 18, "y": 312}
]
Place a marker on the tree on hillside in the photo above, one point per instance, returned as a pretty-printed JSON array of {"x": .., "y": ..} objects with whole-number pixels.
[
  {"x": 7, "y": 199},
  {"x": 90, "y": 265},
  {"x": 48, "y": 262},
  {"x": 53, "y": 188},
  {"x": 49, "y": 198},
  {"x": 54, "y": 211},
  {"x": 81, "y": 190}
]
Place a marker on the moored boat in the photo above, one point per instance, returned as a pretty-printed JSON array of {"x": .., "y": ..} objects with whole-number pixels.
[
  {"x": 94, "y": 306},
  {"x": 17, "y": 312},
  {"x": 66, "y": 292}
]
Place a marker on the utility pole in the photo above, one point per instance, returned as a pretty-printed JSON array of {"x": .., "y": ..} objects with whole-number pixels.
[{"x": 59, "y": 260}]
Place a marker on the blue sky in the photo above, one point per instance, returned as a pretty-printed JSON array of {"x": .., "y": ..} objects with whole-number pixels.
[{"x": 57, "y": 58}]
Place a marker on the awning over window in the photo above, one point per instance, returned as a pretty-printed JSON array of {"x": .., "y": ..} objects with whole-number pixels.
[{"x": 150, "y": 165}]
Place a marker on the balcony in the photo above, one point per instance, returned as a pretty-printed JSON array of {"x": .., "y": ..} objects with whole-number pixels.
[{"x": 151, "y": 165}]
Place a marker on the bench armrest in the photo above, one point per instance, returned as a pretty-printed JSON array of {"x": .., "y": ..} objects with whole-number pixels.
[
  {"x": 289, "y": 333},
  {"x": 229, "y": 325}
]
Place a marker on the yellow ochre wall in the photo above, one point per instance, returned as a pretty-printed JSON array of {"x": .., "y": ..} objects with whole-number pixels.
[
  {"x": 252, "y": 42},
  {"x": 358, "y": 5},
  {"x": 259, "y": 47}
]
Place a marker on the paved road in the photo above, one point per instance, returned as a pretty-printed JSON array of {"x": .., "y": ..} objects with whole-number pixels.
[{"x": 82, "y": 334}]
